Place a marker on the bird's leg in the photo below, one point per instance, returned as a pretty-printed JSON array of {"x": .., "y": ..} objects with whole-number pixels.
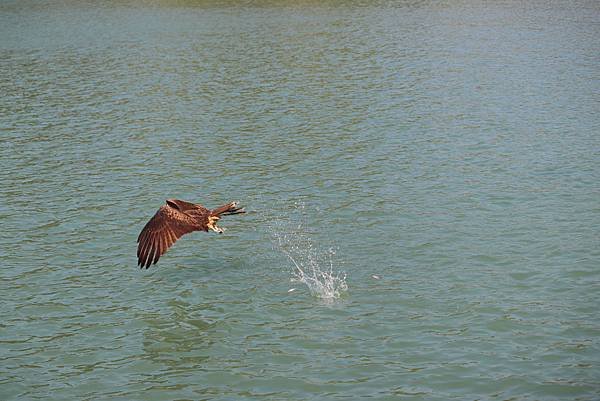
[{"x": 212, "y": 224}]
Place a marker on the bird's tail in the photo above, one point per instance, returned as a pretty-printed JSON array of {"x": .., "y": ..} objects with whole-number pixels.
[{"x": 229, "y": 208}]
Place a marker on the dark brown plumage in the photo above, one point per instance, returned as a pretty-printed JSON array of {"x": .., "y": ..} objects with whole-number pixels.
[{"x": 174, "y": 219}]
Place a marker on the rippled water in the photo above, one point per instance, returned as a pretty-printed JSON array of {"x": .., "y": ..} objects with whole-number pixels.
[{"x": 449, "y": 152}]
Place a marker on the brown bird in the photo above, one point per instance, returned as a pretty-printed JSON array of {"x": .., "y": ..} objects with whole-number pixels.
[{"x": 174, "y": 219}]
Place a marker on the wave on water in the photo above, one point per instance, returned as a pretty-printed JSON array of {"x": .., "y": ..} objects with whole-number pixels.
[{"x": 313, "y": 265}]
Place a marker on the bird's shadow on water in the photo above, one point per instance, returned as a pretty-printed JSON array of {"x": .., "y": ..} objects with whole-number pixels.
[
  {"x": 181, "y": 335},
  {"x": 183, "y": 320}
]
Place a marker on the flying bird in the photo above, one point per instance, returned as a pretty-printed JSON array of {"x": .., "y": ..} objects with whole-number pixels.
[{"x": 174, "y": 219}]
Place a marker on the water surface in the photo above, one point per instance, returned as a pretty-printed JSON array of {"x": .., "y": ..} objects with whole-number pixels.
[{"x": 450, "y": 149}]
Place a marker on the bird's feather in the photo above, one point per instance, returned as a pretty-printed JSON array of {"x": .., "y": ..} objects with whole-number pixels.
[
  {"x": 160, "y": 233},
  {"x": 184, "y": 206}
]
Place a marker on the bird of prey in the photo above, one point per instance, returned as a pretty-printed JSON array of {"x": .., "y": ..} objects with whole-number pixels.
[{"x": 174, "y": 219}]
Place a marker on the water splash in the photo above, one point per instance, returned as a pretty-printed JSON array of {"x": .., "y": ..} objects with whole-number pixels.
[{"x": 312, "y": 265}]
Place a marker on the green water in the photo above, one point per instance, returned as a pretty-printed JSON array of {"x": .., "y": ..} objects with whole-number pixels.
[{"x": 445, "y": 156}]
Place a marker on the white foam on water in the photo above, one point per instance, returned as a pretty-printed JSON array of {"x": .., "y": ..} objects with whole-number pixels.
[{"x": 312, "y": 265}]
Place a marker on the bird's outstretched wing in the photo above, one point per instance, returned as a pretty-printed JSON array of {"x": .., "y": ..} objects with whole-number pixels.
[{"x": 166, "y": 227}]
